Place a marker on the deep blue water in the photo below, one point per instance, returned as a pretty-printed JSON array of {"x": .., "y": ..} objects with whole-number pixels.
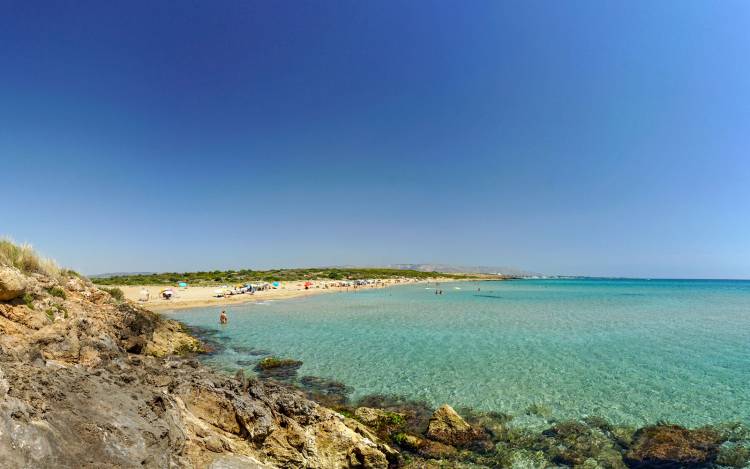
[{"x": 632, "y": 351}]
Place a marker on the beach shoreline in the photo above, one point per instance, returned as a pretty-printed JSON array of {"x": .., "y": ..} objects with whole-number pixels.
[{"x": 204, "y": 296}]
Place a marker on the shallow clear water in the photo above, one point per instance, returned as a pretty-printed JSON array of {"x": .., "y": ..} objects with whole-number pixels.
[{"x": 632, "y": 351}]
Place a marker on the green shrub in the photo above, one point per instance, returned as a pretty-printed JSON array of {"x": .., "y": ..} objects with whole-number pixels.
[
  {"x": 24, "y": 258},
  {"x": 272, "y": 275},
  {"x": 50, "y": 314},
  {"x": 58, "y": 292},
  {"x": 399, "y": 438},
  {"x": 28, "y": 300},
  {"x": 71, "y": 273},
  {"x": 115, "y": 292}
]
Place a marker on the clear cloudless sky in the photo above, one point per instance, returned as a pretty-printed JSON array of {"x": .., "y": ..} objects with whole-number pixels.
[{"x": 575, "y": 137}]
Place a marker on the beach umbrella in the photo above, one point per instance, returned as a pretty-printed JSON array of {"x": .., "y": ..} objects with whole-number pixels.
[
  {"x": 276, "y": 284},
  {"x": 182, "y": 284}
]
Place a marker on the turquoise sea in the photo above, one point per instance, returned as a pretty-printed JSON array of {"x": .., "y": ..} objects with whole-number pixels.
[{"x": 632, "y": 351}]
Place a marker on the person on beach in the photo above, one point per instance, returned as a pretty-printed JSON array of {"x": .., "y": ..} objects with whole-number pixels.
[{"x": 223, "y": 319}]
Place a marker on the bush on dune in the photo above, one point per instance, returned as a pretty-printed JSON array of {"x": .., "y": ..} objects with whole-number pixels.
[
  {"x": 116, "y": 293},
  {"x": 24, "y": 258}
]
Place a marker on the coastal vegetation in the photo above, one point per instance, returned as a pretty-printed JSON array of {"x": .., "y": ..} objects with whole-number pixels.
[
  {"x": 116, "y": 293},
  {"x": 231, "y": 277},
  {"x": 24, "y": 258}
]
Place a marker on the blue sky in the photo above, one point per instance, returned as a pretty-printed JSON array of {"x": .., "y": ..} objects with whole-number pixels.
[{"x": 594, "y": 138}]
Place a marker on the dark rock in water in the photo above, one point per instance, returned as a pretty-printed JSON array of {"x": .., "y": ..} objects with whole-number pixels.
[
  {"x": 208, "y": 337},
  {"x": 492, "y": 423},
  {"x": 733, "y": 455},
  {"x": 417, "y": 413},
  {"x": 574, "y": 443},
  {"x": 673, "y": 446},
  {"x": 328, "y": 392},
  {"x": 278, "y": 368}
]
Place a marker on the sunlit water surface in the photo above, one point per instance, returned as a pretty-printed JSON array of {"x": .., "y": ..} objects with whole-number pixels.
[{"x": 632, "y": 351}]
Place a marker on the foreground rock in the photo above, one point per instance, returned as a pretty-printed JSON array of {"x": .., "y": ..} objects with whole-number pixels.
[
  {"x": 87, "y": 381},
  {"x": 446, "y": 426},
  {"x": 672, "y": 446},
  {"x": 12, "y": 283}
]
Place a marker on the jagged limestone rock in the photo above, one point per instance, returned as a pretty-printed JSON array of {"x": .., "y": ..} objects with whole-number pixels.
[{"x": 12, "y": 283}]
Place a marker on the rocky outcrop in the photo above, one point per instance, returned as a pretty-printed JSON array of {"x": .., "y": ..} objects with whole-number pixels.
[
  {"x": 427, "y": 448},
  {"x": 446, "y": 426},
  {"x": 12, "y": 283},
  {"x": 89, "y": 381},
  {"x": 672, "y": 446},
  {"x": 377, "y": 417}
]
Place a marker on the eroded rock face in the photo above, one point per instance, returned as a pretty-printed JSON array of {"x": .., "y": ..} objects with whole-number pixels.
[
  {"x": 12, "y": 283},
  {"x": 90, "y": 382},
  {"x": 672, "y": 446}
]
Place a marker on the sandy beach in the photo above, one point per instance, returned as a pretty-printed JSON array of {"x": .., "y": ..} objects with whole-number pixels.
[{"x": 199, "y": 296}]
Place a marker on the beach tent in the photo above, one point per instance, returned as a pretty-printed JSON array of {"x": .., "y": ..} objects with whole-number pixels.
[
  {"x": 275, "y": 284},
  {"x": 182, "y": 284}
]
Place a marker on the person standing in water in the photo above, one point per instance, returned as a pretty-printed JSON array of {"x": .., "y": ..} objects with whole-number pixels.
[{"x": 223, "y": 319}]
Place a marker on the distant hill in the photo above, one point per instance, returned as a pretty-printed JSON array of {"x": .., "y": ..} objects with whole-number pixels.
[
  {"x": 118, "y": 274},
  {"x": 459, "y": 269}
]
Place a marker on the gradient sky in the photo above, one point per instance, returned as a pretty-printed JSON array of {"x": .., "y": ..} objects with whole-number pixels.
[{"x": 593, "y": 138}]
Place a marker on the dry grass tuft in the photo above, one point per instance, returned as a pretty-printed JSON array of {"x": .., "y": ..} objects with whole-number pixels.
[{"x": 24, "y": 258}]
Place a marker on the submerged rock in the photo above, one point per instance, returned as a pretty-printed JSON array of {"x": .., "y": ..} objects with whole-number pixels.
[
  {"x": 493, "y": 423},
  {"x": 328, "y": 392},
  {"x": 417, "y": 413},
  {"x": 673, "y": 446},
  {"x": 279, "y": 368},
  {"x": 524, "y": 459},
  {"x": 577, "y": 444},
  {"x": 734, "y": 455}
]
